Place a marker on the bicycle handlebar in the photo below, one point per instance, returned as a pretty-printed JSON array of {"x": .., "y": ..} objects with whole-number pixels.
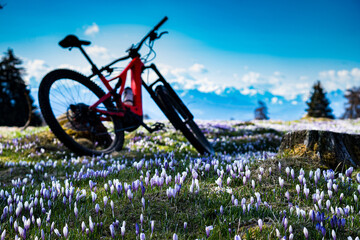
[
  {"x": 160, "y": 23},
  {"x": 134, "y": 51},
  {"x": 151, "y": 32}
]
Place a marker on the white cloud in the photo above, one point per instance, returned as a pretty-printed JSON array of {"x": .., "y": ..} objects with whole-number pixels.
[
  {"x": 193, "y": 77},
  {"x": 293, "y": 89},
  {"x": 92, "y": 30},
  {"x": 274, "y": 100},
  {"x": 251, "y": 78},
  {"x": 98, "y": 51},
  {"x": 355, "y": 73},
  {"x": 198, "y": 68},
  {"x": 248, "y": 91},
  {"x": 343, "y": 79},
  {"x": 35, "y": 69}
]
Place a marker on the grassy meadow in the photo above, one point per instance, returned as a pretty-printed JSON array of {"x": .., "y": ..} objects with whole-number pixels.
[{"x": 159, "y": 187}]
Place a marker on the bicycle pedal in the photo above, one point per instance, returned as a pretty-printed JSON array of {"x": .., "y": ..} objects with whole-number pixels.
[{"x": 158, "y": 126}]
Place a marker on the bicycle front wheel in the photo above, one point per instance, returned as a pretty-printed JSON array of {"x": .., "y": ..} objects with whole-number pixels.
[
  {"x": 64, "y": 98},
  {"x": 172, "y": 109}
]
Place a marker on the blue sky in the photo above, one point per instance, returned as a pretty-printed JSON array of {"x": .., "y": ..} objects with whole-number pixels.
[{"x": 256, "y": 47}]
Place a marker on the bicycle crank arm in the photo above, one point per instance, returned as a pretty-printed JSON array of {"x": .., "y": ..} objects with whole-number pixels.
[{"x": 154, "y": 128}]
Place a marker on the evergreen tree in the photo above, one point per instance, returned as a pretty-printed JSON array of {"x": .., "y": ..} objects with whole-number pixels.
[
  {"x": 352, "y": 109},
  {"x": 16, "y": 103},
  {"x": 261, "y": 112},
  {"x": 318, "y": 105},
  {"x": 2, "y": 5}
]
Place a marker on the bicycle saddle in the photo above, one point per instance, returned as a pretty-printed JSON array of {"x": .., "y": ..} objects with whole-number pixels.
[{"x": 72, "y": 41}]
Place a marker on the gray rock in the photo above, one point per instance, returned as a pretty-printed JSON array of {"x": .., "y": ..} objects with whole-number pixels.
[{"x": 332, "y": 149}]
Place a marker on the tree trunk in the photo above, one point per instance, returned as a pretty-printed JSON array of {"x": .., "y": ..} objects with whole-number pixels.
[{"x": 332, "y": 149}]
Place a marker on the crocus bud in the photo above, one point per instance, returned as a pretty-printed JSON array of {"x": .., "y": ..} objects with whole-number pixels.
[
  {"x": 83, "y": 226},
  {"x": 260, "y": 223},
  {"x": 112, "y": 230},
  {"x": 65, "y": 231},
  {"x": 3, "y": 234},
  {"x": 306, "y": 233}
]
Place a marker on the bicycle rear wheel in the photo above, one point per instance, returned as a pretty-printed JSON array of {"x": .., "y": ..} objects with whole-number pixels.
[
  {"x": 64, "y": 98},
  {"x": 172, "y": 109}
]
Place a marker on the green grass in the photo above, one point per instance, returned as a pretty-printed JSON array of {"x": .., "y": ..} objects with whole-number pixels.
[{"x": 32, "y": 155}]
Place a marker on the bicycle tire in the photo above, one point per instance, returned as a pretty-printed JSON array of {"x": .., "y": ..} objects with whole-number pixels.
[
  {"x": 188, "y": 127},
  {"x": 53, "y": 100}
]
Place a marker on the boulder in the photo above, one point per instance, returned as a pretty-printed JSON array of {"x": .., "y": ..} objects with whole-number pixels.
[{"x": 332, "y": 149}]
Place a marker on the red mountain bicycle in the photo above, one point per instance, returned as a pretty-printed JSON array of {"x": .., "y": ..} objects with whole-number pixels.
[{"x": 91, "y": 122}]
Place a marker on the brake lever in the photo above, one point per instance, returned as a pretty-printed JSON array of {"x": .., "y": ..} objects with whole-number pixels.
[{"x": 165, "y": 32}]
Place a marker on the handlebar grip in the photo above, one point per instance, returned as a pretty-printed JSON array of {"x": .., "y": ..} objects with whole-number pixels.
[{"x": 160, "y": 23}]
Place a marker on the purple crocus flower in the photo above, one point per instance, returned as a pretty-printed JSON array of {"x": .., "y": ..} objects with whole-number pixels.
[
  {"x": 83, "y": 227},
  {"x": 306, "y": 233},
  {"x": 278, "y": 235},
  {"x": 22, "y": 232},
  {"x": 91, "y": 224},
  {"x": 97, "y": 208},
  {"x": 152, "y": 226},
  {"x": 260, "y": 223},
  {"x": 105, "y": 198},
  {"x": 143, "y": 202},
  {"x": 141, "y": 219},
  {"x": 3, "y": 234},
  {"x": 56, "y": 231},
  {"x": 112, "y": 188},
  {"x": 142, "y": 236},
  {"x": 298, "y": 189},
  {"x": 93, "y": 196},
  {"x": 129, "y": 194},
  {"x": 285, "y": 223},
  {"x": 65, "y": 231},
  {"x": 281, "y": 182},
  {"x": 76, "y": 211},
  {"x": 323, "y": 230},
  {"x": 122, "y": 229},
  {"x": 349, "y": 171},
  {"x": 137, "y": 231},
  {"x": 52, "y": 227},
  {"x": 287, "y": 170},
  {"x": 175, "y": 237},
  {"x": 287, "y": 195},
  {"x": 333, "y": 234},
  {"x": 208, "y": 229},
  {"x": 112, "y": 230},
  {"x": 306, "y": 191}
]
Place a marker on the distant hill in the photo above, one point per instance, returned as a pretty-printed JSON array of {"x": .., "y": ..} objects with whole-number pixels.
[{"x": 229, "y": 103}]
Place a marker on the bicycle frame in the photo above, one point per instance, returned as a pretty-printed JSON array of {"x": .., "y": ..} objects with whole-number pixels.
[
  {"x": 133, "y": 115},
  {"x": 135, "y": 67}
]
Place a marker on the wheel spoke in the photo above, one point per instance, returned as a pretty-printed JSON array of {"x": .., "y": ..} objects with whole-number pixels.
[{"x": 65, "y": 97}]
